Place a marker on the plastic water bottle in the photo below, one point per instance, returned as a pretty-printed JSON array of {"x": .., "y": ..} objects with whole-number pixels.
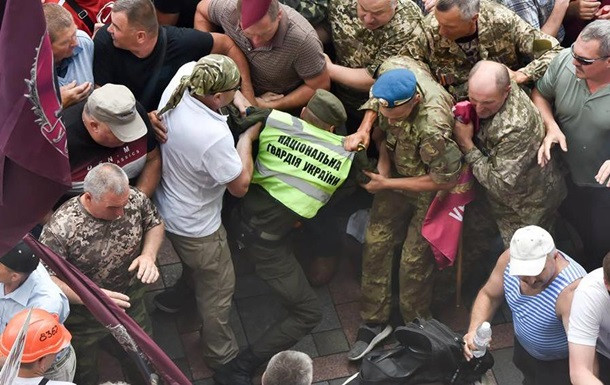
[{"x": 482, "y": 339}]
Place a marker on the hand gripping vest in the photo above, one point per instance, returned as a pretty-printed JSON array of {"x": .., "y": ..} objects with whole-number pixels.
[{"x": 299, "y": 164}]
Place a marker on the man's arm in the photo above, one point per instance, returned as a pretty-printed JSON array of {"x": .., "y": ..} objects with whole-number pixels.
[
  {"x": 413, "y": 183},
  {"x": 145, "y": 262},
  {"x": 151, "y": 173},
  {"x": 583, "y": 364},
  {"x": 564, "y": 304},
  {"x": 167, "y": 18},
  {"x": 202, "y": 17},
  {"x": 356, "y": 78},
  {"x": 300, "y": 96},
  {"x": 238, "y": 187},
  {"x": 119, "y": 299},
  {"x": 486, "y": 304},
  {"x": 363, "y": 135},
  {"x": 553, "y": 132},
  {"x": 555, "y": 19},
  {"x": 224, "y": 45}
]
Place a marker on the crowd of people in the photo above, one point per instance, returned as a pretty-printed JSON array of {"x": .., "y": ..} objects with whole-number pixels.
[{"x": 233, "y": 122}]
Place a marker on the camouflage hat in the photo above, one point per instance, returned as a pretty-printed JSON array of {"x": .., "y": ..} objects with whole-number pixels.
[
  {"x": 212, "y": 74},
  {"x": 327, "y": 108}
]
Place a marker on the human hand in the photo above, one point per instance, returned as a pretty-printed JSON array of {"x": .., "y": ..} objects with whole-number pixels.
[
  {"x": 377, "y": 182},
  {"x": 603, "y": 174},
  {"x": 147, "y": 270},
  {"x": 120, "y": 299},
  {"x": 72, "y": 94},
  {"x": 240, "y": 101},
  {"x": 518, "y": 76},
  {"x": 553, "y": 135},
  {"x": 158, "y": 126},
  {"x": 265, "y": 100},
  {"x": 603, "y": 13},
  {"x": 469, "y": 345},
  {"x": 357, "y": 141},
  {"x": 463, "y": 133},
  {"x": 429, "y": 4},
  {"x": 587, "y": 9}
]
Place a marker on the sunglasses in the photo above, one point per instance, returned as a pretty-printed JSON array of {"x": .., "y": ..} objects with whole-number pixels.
[{"x": 583, "y": 60}]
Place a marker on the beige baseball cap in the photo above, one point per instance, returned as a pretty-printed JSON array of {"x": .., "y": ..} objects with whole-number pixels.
[
  {"x": 529, "y": 248},
  {"x": 115, "y": 105}
]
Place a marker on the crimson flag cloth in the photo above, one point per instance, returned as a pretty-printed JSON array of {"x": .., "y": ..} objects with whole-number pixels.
[
  {"x": 442, "y": 227},
  {"x": 34, "y": 168},
  {"x": 128, "y": 333}
]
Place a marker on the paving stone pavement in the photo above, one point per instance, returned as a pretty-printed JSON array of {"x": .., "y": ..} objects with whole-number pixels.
[{"x": 255, "y": 308}]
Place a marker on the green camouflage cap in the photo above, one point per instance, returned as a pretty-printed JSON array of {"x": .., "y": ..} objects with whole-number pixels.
[
  {"x": 212, "y": 74},
  {"x": 327, "y": 108}
]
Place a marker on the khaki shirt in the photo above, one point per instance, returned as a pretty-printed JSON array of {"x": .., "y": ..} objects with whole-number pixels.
[{"x": 502, "y": 37}]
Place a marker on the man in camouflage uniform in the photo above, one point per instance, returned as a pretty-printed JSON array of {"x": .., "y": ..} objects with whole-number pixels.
[
  {"x": 417, "y": 158},
  {"x": 462, "y": 32},
  {"x": 111, "y": 233},
  {"x": 364, "y": 34},
  {"x": 503, "y": 153}
]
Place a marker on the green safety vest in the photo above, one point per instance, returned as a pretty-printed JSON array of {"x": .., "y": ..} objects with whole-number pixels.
[{"x": 299, "y": 164}]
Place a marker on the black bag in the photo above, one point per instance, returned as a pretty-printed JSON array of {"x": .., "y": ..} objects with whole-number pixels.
[{"x": 429, "y": 352}]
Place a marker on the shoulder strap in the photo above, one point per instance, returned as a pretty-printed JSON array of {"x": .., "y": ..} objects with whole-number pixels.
[
  {"x": 82, "y": 15},
  {"x": 154, "y": 78},
  {"x": 43, "y": 381}
]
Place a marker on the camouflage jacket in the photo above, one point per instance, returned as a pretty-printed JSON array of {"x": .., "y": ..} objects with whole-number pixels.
[
  {"x": 100, "y": 249},
  {"x": 422, "y": 144},
  {"x": 504, "y": 160},
  {"x": 502, "y": 37},
  {"x": 313, "y": 10},
  {"x": 359, "y": 47}
]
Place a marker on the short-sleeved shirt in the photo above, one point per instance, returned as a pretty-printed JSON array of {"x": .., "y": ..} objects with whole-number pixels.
[
  {"x": 590, "y": 314},
  {"x": 37, "y": 291},
  {"x": 199, "y": 159},
  {"x": 101, "y": 249},
  {"x": 119, "y": 66},
  {"x": 85, "y": 153},
  {"x": 502, "y": 36},
  {"x": 79, "y": 66},
  {"x": 583, "y": 117},
  {"x": 504, "y": 161},
  {"x": 293, "y": 55},
  {"x": 98, "y": 11},
  {"x": 185, "y": 8},
  {"x": 534, "y": 12}
]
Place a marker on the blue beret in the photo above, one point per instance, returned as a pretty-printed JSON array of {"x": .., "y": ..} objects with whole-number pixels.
[{"x": 394, "y": 87}]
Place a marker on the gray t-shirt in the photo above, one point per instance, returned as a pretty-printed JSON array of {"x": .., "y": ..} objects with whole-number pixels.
[{"x": 583, "y": 117}]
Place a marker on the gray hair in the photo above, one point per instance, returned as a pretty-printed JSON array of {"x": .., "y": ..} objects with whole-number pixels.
[
  {"x": 104, "y": 178},
  {"x": 58, "y": 18},
  {"x": 289, "y": 367},
  {"x": 598, "y": 30},
  {"x": 140, "y": 14},
  {"x": 468, "y": 8}
]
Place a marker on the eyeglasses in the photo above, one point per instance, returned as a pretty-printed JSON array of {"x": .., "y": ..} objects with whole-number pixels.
[{"x": 583, "y": 60}]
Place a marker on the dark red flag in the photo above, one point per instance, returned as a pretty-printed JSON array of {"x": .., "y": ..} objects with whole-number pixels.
[
  {"x": 141, "y": 348},
  {"x": 442, "y": 226},
  {"x": 34, "y": 168}
]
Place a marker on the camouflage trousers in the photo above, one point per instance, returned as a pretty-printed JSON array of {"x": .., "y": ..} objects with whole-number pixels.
[
  {"x": 397, "y": 219},
  {"x": 88, "y": 336}
]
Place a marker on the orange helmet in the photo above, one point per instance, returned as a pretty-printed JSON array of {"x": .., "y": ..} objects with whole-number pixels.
[{"x": 45, "y": 335}]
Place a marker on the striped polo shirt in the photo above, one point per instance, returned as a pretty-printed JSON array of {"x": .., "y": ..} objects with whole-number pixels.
[{"x": 536, "y": 325}]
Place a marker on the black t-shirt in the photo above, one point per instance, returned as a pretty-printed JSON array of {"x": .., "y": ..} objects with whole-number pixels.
[
  {"x": 186, "y": 9},
  {"x": 84, "y": 153},
  {"x": 119, "y": 66}
]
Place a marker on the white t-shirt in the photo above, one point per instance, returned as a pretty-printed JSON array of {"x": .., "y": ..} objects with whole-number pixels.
[
  {"x": 199, "y": 159},
  {"x": 36, "y": 381},
  {"x": 590, "y": 314}
]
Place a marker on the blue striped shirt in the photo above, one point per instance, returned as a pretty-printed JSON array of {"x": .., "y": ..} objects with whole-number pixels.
[{"x": 535, "y": 320}]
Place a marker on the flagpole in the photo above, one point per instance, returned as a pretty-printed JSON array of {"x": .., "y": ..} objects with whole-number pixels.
[{"x": 458, "y": 276}]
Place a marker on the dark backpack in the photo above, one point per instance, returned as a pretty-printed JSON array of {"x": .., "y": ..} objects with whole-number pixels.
[{"x": 429, "y": 351}]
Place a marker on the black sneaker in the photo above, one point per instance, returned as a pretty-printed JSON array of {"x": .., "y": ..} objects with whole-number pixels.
[{"x": 173, "y": 299}]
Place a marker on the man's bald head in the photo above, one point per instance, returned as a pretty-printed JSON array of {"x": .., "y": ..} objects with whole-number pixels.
[{"x": 488, "y": 87}]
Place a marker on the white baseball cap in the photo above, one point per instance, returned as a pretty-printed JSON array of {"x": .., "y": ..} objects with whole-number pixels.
[{"x": 529, "y": 248}]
